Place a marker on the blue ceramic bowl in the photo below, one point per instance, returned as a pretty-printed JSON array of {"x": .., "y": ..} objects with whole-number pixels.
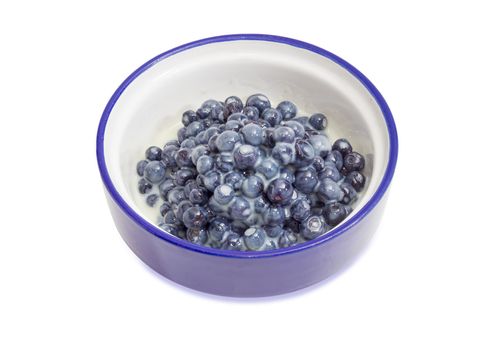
[{"x": 146, "y": 110}]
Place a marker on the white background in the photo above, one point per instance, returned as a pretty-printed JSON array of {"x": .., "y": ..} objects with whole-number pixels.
[{"x": 68, "y": 281}]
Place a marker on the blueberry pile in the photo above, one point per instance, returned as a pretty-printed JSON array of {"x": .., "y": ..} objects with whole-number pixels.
[{"x": 251, "y": 177}]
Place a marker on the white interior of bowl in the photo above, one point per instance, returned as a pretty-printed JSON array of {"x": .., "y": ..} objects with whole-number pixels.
[{"x": 149, "y": 110}]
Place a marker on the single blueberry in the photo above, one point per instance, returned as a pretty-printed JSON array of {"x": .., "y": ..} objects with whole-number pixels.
[
  {"x": 287, "y": 174},
  {"x": 233, "y": 242},
  {"x": 183, "y": 175},
  {"x": 233, "y": 125},
  {"x": 280, "y": 191},
  {"x": 200, "y": 138},
  {"x": 259, "y": 101},
  {"x": 194, "y": 128},
  {"x": 182, "y": 134},
  {"x": 254, "y": 238},
  {"x": 288, "y": 109},
  {"x": 152, "y": 199},
  {"x": 306, "y": 180},
  {"x": 274, "y": 216},
  {"x": 334, "y": 213},
  {"x": 176, "y": 195},
  {"x": 253, "y": 134},
  {"x": 197, "y": 152},
  {"x": 195, "y": 217},
  {"x": 170, "y": 218},
  {"x": 197, "y": 236},
  {"x": 300, "y": 209},
  {"x": 283, "y": 134},
  {"x": 164, "y": 208},
  {"x": 251, "y": 112},
  {"x": 181, "y": 208},
  {"x": 235, "y": 179},
  {"x": 356, "y": 179},
  {"x": 252, "y": 186},
  {"x": 224, "y": 194},
  {"x": 297, "y": 128},
  {"x": 329, "y": 191},
  {"x": 188, "y": 143},
  {"x": 211, "y": 180},
  {"x": 343, "y": 146},
  {"x": 155, "y": 172},
  {"x": 217, "y": 228},
  {"x": 204, "y": 164},
  {"x": 304, "y": 153},
  {"x": 320, "y": 144},
  {"x": 318, "y": 121},
  {"x": 245, "y": 156},
  {"x": 190, "y": 185},
  {"x": 168, "y": 155},
  {"x": 183, "y": 157},
  {"x": 153, "y": 153},
  {"x": 188, "y": 117},
  {"x": 313, "y": 227},
  {"x": 273, "y": 231},
  {"x": 239, "y": 208},
  {"x": 272, "y": 116},
  {"x": 236, "y": 117},
  {"x": 330, "y": 171},
  {"x": 284, "y": 153},
  {"x": 227, "y": 140},
  {"x": 198, "y": 196},
  {"x": 144, "y": 186},
  {"x": 353, "y": 161},
  {"x": 166, "y": 186},
  {"x": 318, "y": 163},
  {"x": 268, "y": 168},
  {"x": 335, "y": 157},
  {"x": 141, "y": 167},
  {"x": 233, "y": 104}
]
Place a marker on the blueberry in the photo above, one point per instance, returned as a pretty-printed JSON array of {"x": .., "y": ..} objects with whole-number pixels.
[
  {"x": 153, "y": 153},
  {"x": 304, "y": 153},
  {"x": 193, "y": 129},
  {"x": 183, "y": 175},
  {"x": 204, "y": 164},
  {"x": 252, "y": 186},
  {"x": 195, "y": 217},
  {"x": 287, "y": 239},
  {"x": 170, "y": 218},
  {"x": 176, "y": 195},
  {"x": 144, "y": 186},
  {"x": 239, "y": 209},
  {"x": 313, "y": 227},
  {"x": 172, "y": 143},
  {"x": 287, "y": 109},
  {"x": 254, "y": 238},
  {"x": 259, "y": 101},
  {"x": 233, "y": 242},
  {"x": 280, "y": 191},
  {"x": 213, "y": 130},
  {"x": 349, "y": 193},
  {"x": 297, "y": 128},
  {"x": 274, "y": 216},
  {"x": 253, "y": 134},
  {"x": 141, "y": 167},
  {"x": 168, "y": 155},
  {"x": 188, "y": 143},
  {"x": 225, "y": 162},
  {"x": 211, "y": 109},
  {"x": 198, "y": 196},
  {"x": 227, "y": 140},
  {"x": 197, "y": 236},
  {"x": 287, "y": 174},
  {"x": 233, "y": 104},
  {"x": 181, "y": 207},
  {"x": 233, "y": 125},
  {"x": 318, "y": 121},
  {"x": 300, "y": 209},
  {"x": 356, "y": 179},
  {"x": 320, "y": 144},
  {"x": 224, "y": 194},
  {"x": 235, "y": 179},
  {"x": 236, "y": 117},
  {"x": 166, "y": 186},
  {"x": 336, "y": 158},
  {"x": 245, "y": 157},
  {"x": 260, "y": 204},
  {"x": 329, "y": 190},
  {"x": 189, "y": 186},
  {"x": 353, "y": 161},
  {"x": 306, "y": 180},
  {"x": 318, "y": 163},
  {"x": 212, "y": 146},
  {"x": 189, "y": 117},
  {"x": 183, "y": 157},
  {"x": 273, "y": 231},
  {"x": 330, "y": 171},
  {"x": 334, "y": 213},
  {"x": 182, "y": 134},
  {"x": 217, "y": 228},
  {"x": 200, "y": 138},
  {"x": 251, "y": 112},
  {"x": 272, "y": 116},
  {"x": 284, "y": 153},
  {"x": 211, "y": 180},
  {"x": 164, "y": 208},
  {"x": 197, "y": 152},
  {"x": 152, "y": 199},
  {"x": 155, "y": 172},
  {"x": 283, "y": 134},
  {"x": 268, "y": 168},
  {"x": 343, "y": 146}
]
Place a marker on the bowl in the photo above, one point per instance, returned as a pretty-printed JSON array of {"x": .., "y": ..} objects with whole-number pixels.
[{"x": 146, "y": 110}]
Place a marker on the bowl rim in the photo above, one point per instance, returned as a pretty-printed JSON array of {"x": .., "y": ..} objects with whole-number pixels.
[{"x": 348, "y": 224}]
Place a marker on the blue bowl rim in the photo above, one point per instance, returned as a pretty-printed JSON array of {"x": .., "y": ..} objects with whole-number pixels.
[{"x": 352, "y": 221}]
